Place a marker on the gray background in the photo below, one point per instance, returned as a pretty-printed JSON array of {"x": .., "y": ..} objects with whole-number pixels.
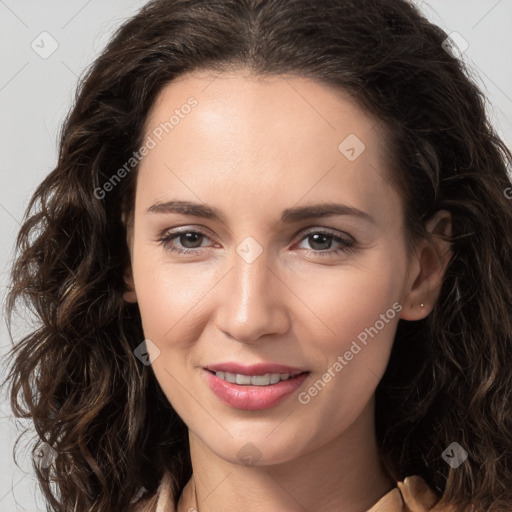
[{"x": 36, "y": 93}]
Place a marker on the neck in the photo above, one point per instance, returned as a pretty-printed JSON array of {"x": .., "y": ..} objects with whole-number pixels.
[{"x": 340, "y": 475}]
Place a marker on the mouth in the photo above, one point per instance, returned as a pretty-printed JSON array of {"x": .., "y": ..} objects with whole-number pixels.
[
  {"x": 254, "y": 392},
  {"x": 267, "y": 379}
]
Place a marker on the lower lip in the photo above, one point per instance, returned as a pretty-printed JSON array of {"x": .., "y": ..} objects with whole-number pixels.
[{"x": 253, "y": 398}]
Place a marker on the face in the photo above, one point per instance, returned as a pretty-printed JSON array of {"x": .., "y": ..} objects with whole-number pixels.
[{"x": 292, "y": 253}]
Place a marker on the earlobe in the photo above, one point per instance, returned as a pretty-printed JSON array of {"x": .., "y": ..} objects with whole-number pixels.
[
  {"x": 129, "y": 294},
  {"x": 130, "y": 297},
  {"x": 430, "y": 263}
]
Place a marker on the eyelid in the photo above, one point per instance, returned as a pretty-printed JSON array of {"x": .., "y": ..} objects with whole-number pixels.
[
  {"x": 329, "y": 231},
  {"x": 348, "y": 243},
  {"x": 203, "y": 230},
  {"x": 207, "y": 233}
]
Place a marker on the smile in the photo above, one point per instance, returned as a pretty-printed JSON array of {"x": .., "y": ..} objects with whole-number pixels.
[
  {"x": 254, "y": 380},
  {"x": 253, "y": 392}
]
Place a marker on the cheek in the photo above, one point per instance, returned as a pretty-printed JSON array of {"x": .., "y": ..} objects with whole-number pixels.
[
  {"x": 364, "y": 334},
  {"x": 168, "y": 294},
  {"x": 343, "y": 300},
  {"x": 361, "y": 311},
  {"x": 169, "y": 301},
  {"x": 350, "y": 299},
  {"x": 359, "y": 308}
]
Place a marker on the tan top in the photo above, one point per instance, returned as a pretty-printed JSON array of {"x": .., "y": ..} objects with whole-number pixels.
[{"x": 411, "y": 495}]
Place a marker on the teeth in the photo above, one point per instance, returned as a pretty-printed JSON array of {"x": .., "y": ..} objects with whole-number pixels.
[
  {"x": 275, "y": 378},
  {"x": 253, "y": 380},
  {"x": 245, "y": 380}
]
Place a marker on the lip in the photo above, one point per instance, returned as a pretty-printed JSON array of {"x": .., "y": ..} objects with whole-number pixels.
[
  {"x": 253, "y": 398},
  {"x": 254, "y": 369}
]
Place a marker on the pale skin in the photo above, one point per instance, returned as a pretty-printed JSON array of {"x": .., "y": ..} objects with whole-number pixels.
[{"x": 252, "y": 148}]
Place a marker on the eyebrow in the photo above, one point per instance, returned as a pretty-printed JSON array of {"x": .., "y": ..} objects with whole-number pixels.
[{"x": 289, "y": 215}]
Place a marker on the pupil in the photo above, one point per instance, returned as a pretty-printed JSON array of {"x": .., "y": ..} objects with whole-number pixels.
[
  {"x": 319, "y": 239},
  {"x": 189, "y": 237},
  {"x": 315, "y": 237}
]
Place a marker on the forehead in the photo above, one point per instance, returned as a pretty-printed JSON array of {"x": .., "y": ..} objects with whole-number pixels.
[
  {"x": 273, "y": 101},
  {"x": 267, "y": 136}
]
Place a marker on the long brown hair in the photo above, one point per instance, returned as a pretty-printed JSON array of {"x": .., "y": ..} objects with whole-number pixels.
[{"x": 448, "y": 379}]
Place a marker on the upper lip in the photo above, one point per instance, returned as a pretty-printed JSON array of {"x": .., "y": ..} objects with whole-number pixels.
[{"x": 254, "y": 369}]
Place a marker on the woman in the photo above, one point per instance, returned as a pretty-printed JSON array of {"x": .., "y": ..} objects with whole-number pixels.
[{"x": 272, "y": 270}]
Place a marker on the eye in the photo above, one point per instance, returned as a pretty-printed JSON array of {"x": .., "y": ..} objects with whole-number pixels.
[
  {"x": 191, "y": 241},
  {"x": 320, "y": 241}
]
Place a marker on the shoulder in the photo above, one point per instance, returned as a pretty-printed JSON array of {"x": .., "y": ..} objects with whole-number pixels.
[
  {"x": 411, "y": 495},
  {"x": 161, "y": 501}
]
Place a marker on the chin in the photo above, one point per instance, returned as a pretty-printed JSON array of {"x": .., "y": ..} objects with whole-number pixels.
[{"x": 257, "y": 450}]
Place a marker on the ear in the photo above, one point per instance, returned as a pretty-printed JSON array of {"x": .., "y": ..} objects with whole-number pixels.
[
  {"x": 129, "y": 294},
  {"x": 427, "y": 268}
]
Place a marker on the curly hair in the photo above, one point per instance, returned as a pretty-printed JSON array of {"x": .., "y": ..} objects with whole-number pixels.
[{"x": 448, "y": 378}]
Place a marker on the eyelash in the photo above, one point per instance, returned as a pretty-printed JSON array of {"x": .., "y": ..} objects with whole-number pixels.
[{"x": 347, "y": 245}]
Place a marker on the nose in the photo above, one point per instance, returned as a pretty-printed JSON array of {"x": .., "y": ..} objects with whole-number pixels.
[{"x": 251, "y": 303}]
